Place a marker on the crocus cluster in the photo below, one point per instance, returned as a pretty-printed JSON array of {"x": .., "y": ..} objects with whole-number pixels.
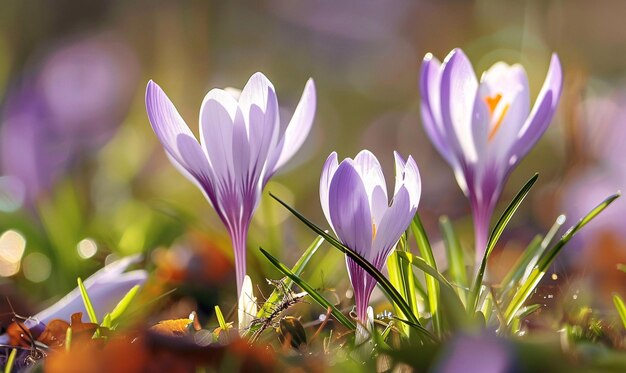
[
  {"x": 354, "y": 198},
  {"x": 484, "y": 128},
  {"x": 242, "y": 144}
]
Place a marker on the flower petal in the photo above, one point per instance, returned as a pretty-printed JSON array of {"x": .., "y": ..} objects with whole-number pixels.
[
  {"x": 542, "y": 112},
  {"x": 299, "y": 126},
  {"x": 349, "y": 208},
  {"x": 259, "y": 106},
  {"x": 173, "y": 132},
  {"x": 247, "y": 309},
  {"x": 217, "y": 114},
  {"x": 408, "y": 175},
  {"x": 393, "y": 224},
  {"x": 328, "y": 170},
  {"x": 458, "y": 101},
  {"x": 372, "y": 175},
  {"x": 429, "y": 84},
  {"x": 105, "y": 288}
]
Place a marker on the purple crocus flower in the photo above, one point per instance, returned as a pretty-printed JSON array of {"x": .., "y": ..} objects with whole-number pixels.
[
  {"x": 484, "y": 128},
  {"x": 242, "y": 144},
  {"x": 105, "y": 289},
  {"x": 353, "y": 195}
]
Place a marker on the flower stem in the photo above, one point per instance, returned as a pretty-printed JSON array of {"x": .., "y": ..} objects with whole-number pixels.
[{"x": 239, "y": 248}]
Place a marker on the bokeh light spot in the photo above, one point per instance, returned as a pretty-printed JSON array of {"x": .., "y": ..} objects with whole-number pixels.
[
  {"x": 12, "y": 246},
  {"x": 37, "y": 267},
  {"x": 87, "y": 248}
]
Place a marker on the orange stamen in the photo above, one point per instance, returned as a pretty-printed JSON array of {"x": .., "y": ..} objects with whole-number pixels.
[
  {"x": 498, "y": 123},
  {"x": 492, "y": 102},
  {"x": 373, "y": 231}
]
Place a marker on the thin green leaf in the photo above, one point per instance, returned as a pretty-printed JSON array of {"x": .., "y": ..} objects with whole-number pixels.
[
  {"x": 432, "y": 287},
  {"x": 106, "y": 321},
  {"x": 419, "y": 328},
  {"x": 297, "y": 270},
  {"x": 68, "y": 339},
  {"x": 402, "y": 277},
  {"x": 10, "y": 361},
  {"x": 621, "y": 308},
  {"x": 88, "y": 306},
  {"x": 515, "y": 274},
  {"x": 312, "y": 293},
  {"x": 453, "y": 304},
  {"x": 546, "y": 260},
  {"x": 527, "y": 311},
  {"x": 493, "y": 239},
  {"x": 220, "y": 318},
  {"x": 386, "y": 286},
  {"x": 454, "y": 252},
  {"x": 527, "y": 261},
  {"x": 123, "y": 304}
]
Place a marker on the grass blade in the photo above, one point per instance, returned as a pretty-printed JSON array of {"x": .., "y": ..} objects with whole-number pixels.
[
  {"x": 68, "y": 339},
  {"x": 419, "y": 328},
  {"x": 383, "y": 282},
  {"x": 297, "y": 270},
  {"x": 432, "y": 287},
  {"x": 10, "y": 361},
  {"x": 453, "y": 304},
  {"x": 221, "y": 321},
  {"x": 621, "y": 308},
  {"x": 527, "y": 261},
  {"x": 546, "y": 260},
  {"x": 493, "y": 239},
  {"x": 401, "y": 276},
  {"x": 123, "y": 304},
  {"x": 88, "y": 306},
  {"x": 345, "y": 321},
  {"x": 454, "y": 252}
]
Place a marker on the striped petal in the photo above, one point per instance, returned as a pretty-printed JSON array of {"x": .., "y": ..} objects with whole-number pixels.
[
  {"x": 299, "y": 126},
  {"x": 175, "y": 136},
  {"x": 349, "y": 208}
]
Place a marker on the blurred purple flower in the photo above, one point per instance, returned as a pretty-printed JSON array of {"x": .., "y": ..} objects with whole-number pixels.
[
  {"x": 353, "y": 195},
  {"x": 105, "y": 289},
  {"x": 484, "y": 128},
  {"x": 242, "y": 144},
  {"x": 602, "y": 135},
  {"x": 482, "y": 353},
  {"x": 67, "y": 107}
]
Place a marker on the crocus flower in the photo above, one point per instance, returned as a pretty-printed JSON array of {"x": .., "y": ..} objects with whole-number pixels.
[
  {"x": 484, "y": 128},
  {"x": 105, "y": 289},
  {"x": 242, "y": 144},
  {"x": 353, "y": 195}
]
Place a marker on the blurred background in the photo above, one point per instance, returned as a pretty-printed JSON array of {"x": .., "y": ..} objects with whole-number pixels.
[{"x": 83, "y": 179}]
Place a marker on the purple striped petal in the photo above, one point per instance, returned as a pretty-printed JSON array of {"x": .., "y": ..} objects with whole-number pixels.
[
  {"x": 430, "y": 84},
  {"x": 259, "y": 106},
  {"x": 349, "y": 208},
  {"x": 328, "y": 170},
  {"x": 217, "y": 115},
  {"x": 371, "y": 173},
  {"x": 299, "y": 126},
  {"x": 175, "y": 136},
  {"x": 458, "y": 102},
  {"x": 392, "y": 225},
  {"x": 408, "y": 175},
  {"x": 542, "y": 113}
]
